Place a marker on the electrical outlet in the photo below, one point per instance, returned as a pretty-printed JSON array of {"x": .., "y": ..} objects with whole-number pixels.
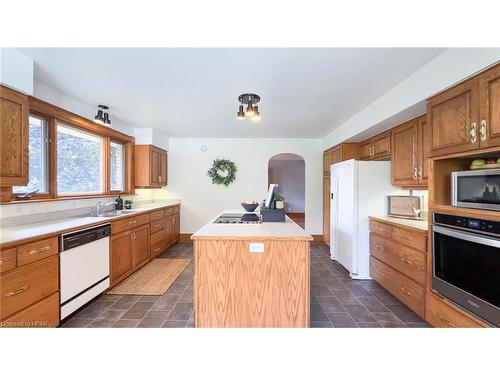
[{"x": 256, "y": 247}]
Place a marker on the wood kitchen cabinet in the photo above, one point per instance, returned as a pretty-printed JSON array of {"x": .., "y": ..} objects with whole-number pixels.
[
  {"x": 13, "y": 138},
  {"x": 121, "y": 257},
  {"x": 177, "y": 227},
  {"x": 376, "y": 148},
  {"x": 151, "y": 165},
  {"x": 140, "y": 246},
  {"x": 467, "y": 116},
  {"x": 410, "y": 151},
  {"x": 326, "y": 209}
]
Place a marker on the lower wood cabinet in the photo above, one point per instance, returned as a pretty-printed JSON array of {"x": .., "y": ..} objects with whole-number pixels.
[
  {"x": 120, "y": 257},
  {"x": 140, "y": 246},
  {"x": 440, "y": 313},
  {"x": 326, "y": 209},
  {"x": 29, "y": 284}
]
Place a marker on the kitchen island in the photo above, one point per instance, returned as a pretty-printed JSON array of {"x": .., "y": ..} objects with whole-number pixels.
[{"x": 251, "y": 275}]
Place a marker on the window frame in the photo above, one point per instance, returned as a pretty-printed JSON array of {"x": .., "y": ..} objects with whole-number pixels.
[{"x": 55, "y": 115}]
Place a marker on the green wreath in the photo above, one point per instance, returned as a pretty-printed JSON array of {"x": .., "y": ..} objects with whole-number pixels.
[{"x": 222, "y": 165}]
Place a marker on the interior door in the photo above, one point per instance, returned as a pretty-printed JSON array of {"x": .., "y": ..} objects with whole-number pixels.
[
  {"x": 326, "y": 209},
  {"x": 489, "y": 107},
  {"x": 343, "y": 208},
  {"x": 140, "y": 246}
]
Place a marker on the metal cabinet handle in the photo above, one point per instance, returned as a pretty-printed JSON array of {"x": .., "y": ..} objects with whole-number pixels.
[
  {"x": 415, "y": 173},
  {"x": 132, "y": 222},
  {"x": 17, "y": 291},
  {"x": 445, "y": 321},
  {"x": 133, "y": 236},
  {"x": 380, "y": 229},
  {"x": 405, "y": 260},
  {"x": 483, "y": 131},
  {"x": 420, "y": 172},
  {"x": 405, "y": 291},
  {"x": 473, "y": 132},
  {"x": 379, "y": 248},
  {"x": 40, "y": 250},
  {"x": 159, "y": 179}
]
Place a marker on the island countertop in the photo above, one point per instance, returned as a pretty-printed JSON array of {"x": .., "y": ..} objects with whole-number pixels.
[{"x": 287, "y": 230}]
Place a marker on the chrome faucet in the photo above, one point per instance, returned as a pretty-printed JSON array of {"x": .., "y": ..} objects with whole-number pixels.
[{"x": 99, "y": 207}]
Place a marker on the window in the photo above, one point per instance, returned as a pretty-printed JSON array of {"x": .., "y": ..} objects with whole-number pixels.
[
  {"x": 79, "y": 161},
  {"x": 38, "y": 157},
  {"x": 117, "y": 166}
]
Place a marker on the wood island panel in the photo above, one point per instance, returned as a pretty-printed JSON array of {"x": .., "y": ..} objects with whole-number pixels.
[{"x": 237, "y": 288}]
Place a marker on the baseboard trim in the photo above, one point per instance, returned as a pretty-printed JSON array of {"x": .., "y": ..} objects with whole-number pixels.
[
  {"x": 185, "y": 237},
  {"x": 317, "y": 238}
]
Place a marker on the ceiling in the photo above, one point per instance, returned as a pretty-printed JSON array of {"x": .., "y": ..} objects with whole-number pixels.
[{"x": 192, "y": 92}]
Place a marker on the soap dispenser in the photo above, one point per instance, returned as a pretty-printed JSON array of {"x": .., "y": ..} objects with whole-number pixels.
[{"x": 119, "y": 203}]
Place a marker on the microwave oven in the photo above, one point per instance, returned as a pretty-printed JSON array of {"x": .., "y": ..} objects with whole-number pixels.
[{"x": 476, "y": 189}]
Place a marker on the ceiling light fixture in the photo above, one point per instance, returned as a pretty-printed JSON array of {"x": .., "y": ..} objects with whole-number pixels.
[
  {"x": 251, "y": 111},
  {"x": 102, "y": 117}
]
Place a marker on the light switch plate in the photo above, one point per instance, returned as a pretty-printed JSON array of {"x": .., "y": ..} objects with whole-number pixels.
[{"x": 256, "y": 247}]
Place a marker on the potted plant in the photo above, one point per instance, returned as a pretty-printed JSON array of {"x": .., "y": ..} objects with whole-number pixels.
[{"x": 280, "y": 201}]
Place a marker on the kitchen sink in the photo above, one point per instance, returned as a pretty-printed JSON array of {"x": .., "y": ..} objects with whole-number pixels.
[{"x": 114, "y": 213}]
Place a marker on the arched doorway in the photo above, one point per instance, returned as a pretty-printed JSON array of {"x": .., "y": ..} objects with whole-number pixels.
[{"x": 288, "y": 171}]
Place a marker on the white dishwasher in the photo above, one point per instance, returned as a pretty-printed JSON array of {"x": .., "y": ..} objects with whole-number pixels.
[{"x": 84, "y": 266}]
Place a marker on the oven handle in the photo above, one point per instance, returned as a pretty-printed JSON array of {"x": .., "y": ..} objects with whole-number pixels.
[{"x": 467, "y": 237}]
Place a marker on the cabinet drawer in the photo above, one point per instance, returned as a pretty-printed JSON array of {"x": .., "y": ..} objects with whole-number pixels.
[
  {"x": 403, "y": 288},
  {"x": 416, "y": 241},
  {"x": 36, "y": 250},
  {"x": 410, "y": 262},
  {"x": 42, "y": 314},
  {"x": 157, "y": 215},
  {"x": 7, "y": 260},
  {"x": 169, "y": 211},
  {"x": 439, "y": 314},
  {"x": 129, "y": 223},
  {"x": 158, "y": 248},
  {"x": 157, "y": 237},
  {"x": 380, "y": 228},
  {"x": 157, "y": 225},
  {"x": 177, "y": 209},
  {"x": 29, "y": 284}
]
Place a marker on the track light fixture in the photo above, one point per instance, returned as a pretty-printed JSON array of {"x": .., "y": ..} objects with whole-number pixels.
[
  {"x": 252, "y": 110},
  {"x": 102, "y": 117}
]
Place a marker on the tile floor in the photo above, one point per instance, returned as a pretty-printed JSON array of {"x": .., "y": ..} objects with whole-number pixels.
[{"x": 336, "y": 301}]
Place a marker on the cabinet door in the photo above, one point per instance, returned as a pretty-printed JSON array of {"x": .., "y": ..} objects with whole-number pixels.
[
  {"x": 13, "y": 138},
  {"x": 169, "y": 230},
  {"x": 453, "y": 117},
  {"x": 365, "y": 150},
  {"x": 140, "y": 246},
  {"x": 336, "y": 155},
  {"x": 177, "y": 227},
  {"x": 381, "y": 146},
  {"x": 121, "y": 256},
  {"x": 404, "y": 147},
  {"x": 163, "y": 168},
  {"x": 326, "y": 209},
  {"x": 155, "y": 167},
  {"x": 489, "y": 107},
  {"x": 424, "y": 149}
]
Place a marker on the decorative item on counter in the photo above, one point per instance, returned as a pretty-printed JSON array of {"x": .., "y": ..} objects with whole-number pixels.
[
  {"x": 279, "y": 201},
  {"x": 223, "y": 172},
  {"x": 250, "y": 206},
  {"x": 488, "y": 163},
  {"x": 272, "y": 215},
  {"x": 128, "y": 204}
]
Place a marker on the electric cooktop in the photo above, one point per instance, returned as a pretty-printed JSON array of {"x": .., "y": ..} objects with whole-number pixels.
[{"x": 238, "y": 219}]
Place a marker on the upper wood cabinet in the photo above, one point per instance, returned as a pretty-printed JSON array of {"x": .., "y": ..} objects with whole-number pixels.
[
  {"x": 13, "y": 138},
  {"x": 150, "y": 166},
  {"x": 489, "y": 108},
  {"x": 467, "y": 116},
  {"x": 410, "y": 151},
  {"x": 376, "y": 148},
  {"x": 344, "y": 151}
]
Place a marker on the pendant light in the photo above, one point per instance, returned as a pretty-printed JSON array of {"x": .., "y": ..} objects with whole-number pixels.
[
  {"x": 252, "y": 111},
  {"x": 102, "y": 117}
]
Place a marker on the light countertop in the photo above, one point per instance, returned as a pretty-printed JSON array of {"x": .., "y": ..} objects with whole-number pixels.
[
  {"x": 421, "y": 225},
  {"x": 44, "y": 228},
  {"x": 287, "y": 230}
]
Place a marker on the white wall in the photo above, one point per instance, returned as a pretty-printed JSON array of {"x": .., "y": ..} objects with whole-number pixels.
[
  {"x": 201, "y": 200},
  {"x": 290, "y": 176},
  {"x": 446, "y": 69},
  {"x": 150, "y": 136},
  {"x": 16, "y": 70}
]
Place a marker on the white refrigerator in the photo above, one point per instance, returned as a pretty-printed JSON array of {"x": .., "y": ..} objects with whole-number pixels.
[{"x": 358, "y": 190}]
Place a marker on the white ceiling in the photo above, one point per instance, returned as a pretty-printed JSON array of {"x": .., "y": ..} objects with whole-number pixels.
[{"x": 305, "y": 93}]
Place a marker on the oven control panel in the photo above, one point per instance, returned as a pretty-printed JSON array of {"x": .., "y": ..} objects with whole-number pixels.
[{"x": 480, "y": 225}]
